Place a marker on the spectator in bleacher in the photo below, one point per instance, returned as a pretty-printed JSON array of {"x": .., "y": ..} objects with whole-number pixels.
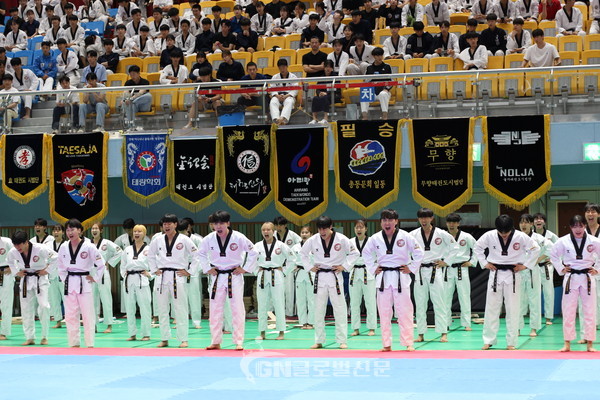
[
  {"x": 142, "y": 45},
  {"x": 236, "y": 28},
  {"x": 541, "y": 54},
  {"x": 324, "y": 16},
  {"x": 174, "y": 21},
  {"x": 205, "y": 39},
  {"x": 64, "y": 100},
  {"x": 506, "y": 11},
  {"x": 360, "y": 56},
  {"x": 475, "y": 56},
  {"x": 350, "y": 5},
  {"x": 39, "y": 11},
  {"x": 339, "y": 58},
  {"x": 251, "y": 8},
  {"x": 93, "y": 102},
  {"x": 186, "y": 41},
  {"x": 286, "y": 99},
  {"x": 166, "y": 5},
  {"x": 300, "y": 17},
  {"x": 595, "y": 6},
  {"x": 493, "y": 38},
  {"x": 141, "y": 99},
  {"x": 547, "y": 10},
  {"x": 348, "y": 39},
  {"x": 359, "y": 26},
  {"x": 335, "y": 28},
  {"x": 394, "y": 46},
  {"x": 16, "y": 39},
  {"x": 418, "y": 45},
  {"x": 224, "y": 40},
  {"x": 2, "y": 69},
  {"x": 205, "y": 101},
  {"x": 382, "y": 92},
  {"x": 283, "y": 25},
  {"x": 44, "y": 67},
  {"x": 165, "y": 55},
  {"x": 229, "y": 69},
  {"x": 471, "y": 28},
  {"x": 251, "y": 99},
  {"x": 437, "y": 11},
  {"x": 188, "y": 13},
  {"x": 370, "y": 14},
  {"x": 157, "y": 23},
  {"x": 100, "y": 12},
  {"x": 333, "y": 5},
  {"x": 481, "y": 9},
  {"x": 196, "y": 20},
  {"x": 25, "y": 81},
  {"x": 122, "y": 44},
  {"x": 527, "y": 9},
  {"x": 313, "y": 62},
  {"x": 31, "y": 25},
  {"x": 66, "y": 62},
  {"x": 10, "y": 111},
  {"x": 216, "y": 22},
  {"x": 261, "y": 22},
  {"x": 64, "y": 19},
  {"x": 13, "y": 16},
  {"x": 124, "y": 11},
  {"x": 133, "y": 27},
  {"x": 569, "y": 20},
  {"x": 201, "y": 62},
  {"x": 92, "y": 42},
  {"x": 160, "y": 43},
  {"x": 75, "y": 36},
  {"x": 247, "y": 40},
  {"x": 86, "y": 11},
  {"x": 3, "y": 57},
  {"x": 391, "y": 12},
  {"x": 109, "y": 60},
  {"x": 311, "y": 30},
  {"x": 60, "y": 9},
  {"x": 93, "y": 66},
  {"x": 412, "y": 12},
  {"x": 175, "y": 72},
  {"x": 274, "y": 8},
  {"x": 519, "y": 39},
  {"x": 22, "y": 8},
  {"x": 445, "y": 44},
  {"x": 46, "y": 23},
  {"x": 55, "y": 32},
  {"x": 321, "y": 102}
]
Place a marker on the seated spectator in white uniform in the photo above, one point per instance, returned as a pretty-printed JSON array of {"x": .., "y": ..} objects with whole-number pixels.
[
  {"x": 15, "y": 39},
  {"x": 437, "y": 11},
  {"x": 24, "y": 81},
  {"x": 527, "y": 9},
  {"x": 66, "y": 62},
  {"x": 394, "y": 46},
  {"x": 175, "y": 72},
  {"x": 286, "y": 99},
  {"x": 506, "y": 11},
  {"x": 142, "y": 44},
  {"x": 475, "y": 56},
  {"x": 122, "y": 43},
  {"x": 9, "y": 109},
  {"x": 412, "y": 12},
  {"x": 360, "y": 56},
  {"x": 519, "y": 39},
  {"x": 133, "y": 27},
  {"x": 569, "y": 20},
  {"x": 445, "y": 44},
  {"x": 186, "y": 41},
  {"x": 339, "y": 58},
  {"x": 283, "y": 25},
  {"x": 262, "y": 21}
]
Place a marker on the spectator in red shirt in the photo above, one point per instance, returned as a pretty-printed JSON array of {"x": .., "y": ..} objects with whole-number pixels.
[{"x": 548, "y": 9}]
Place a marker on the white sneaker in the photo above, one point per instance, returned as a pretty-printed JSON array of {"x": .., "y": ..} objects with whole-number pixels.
[
  {"x": 80, "y": 130},
  {"x": 54, "y": 131},
  {"x": 99, "y": 129},
  {"x": 314, "y": 121},
  {"x": 324, "y": 122},
  {"x": 139, "y": 128}
]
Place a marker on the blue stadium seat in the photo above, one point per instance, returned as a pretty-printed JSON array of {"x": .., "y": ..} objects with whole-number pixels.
[
  {"x": 94, "y": 27},
  {"x": 112, "y": 12},
  {"x": 26, "y": 56},
  {"x": 35, "y": 43}
]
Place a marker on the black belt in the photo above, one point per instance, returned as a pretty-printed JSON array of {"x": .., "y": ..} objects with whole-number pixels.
[
  {"x": 27, "y": 275},
  {"x": 229, "y": 285},
  {"x": 503, "y": 267},
  {"x": 2, "y": 268},
  {"x": 364, "y": 277},
  {"x": 262, "y": 276},
  {"x": 308, "y": 272},
  {"x": 174, "y": 270},
  {"x": 337, "y": 283},
  {"x": 585, "y": 271},
  {"x": 80, "y": 275},
  {"x": 455, "y": 265},
  {"x": 384, "y": 270},
  {"x": 127, "y": 278},
  {"x": 428, "y": 265},
  {"x": 545, "y": 269}
]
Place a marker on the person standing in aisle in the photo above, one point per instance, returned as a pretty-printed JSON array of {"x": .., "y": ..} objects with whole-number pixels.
[{"x": 362, "y": 284}]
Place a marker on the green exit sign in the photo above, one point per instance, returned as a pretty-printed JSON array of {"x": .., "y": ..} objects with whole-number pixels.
[
  {"x": 591, "y": 152},
  {"x": 476, "y": 152}
]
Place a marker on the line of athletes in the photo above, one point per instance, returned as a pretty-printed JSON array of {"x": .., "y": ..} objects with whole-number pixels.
[{"x": 380, "y": 266}]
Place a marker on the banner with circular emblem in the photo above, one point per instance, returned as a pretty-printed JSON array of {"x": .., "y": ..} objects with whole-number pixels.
[
  {"x": 24, "y": 166},
  {"x": 245, "y": 171},
  {"x": 367, "y": 164}
]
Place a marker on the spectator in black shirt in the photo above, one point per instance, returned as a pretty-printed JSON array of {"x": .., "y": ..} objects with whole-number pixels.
[
  {"x": 14, "y": 15},
  {"x": 313, "y": 62},
  {"x": 31, "y": 25},
  {"x": 360, "y": 26},
  {"x": 493, "y": 38},
  {"x": 274, "y": 7},
  {"x": 201, "y": 62},
  {"x": 348, "y": 39},
  {"x": 205, "y": 39},
  {"x": 229, "y": 69},
  {"x": 350, "y": 5},
  {"x": 205, "y": 101},
  {"x": 419, "y": 43},
  {"x": 383, "y": 92},
  {"x": 370, "y": 14},
  {"x": 224, "y": 40},
  {"x": 251, "y": 9},
  {"x": 322, "y": 101},
  {"x": 471, "y": 27},
  {"x": 391, "y": 13},
  {"x": 247, "y": 40},
  {"x": 312, "y": 30},
  {"x": 165, "y": 56},
  {"x": 252, "y": 99},
  {"x": 141, "y": 100},
  {"x": 109, "y": 60}
]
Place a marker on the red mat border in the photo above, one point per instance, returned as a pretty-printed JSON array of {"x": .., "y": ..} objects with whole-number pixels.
[{"x": 296, "y": 353}]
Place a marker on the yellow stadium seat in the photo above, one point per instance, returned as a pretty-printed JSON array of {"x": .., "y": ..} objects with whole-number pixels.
[
  {"x": 149, "y": 20},
  {"x": 529, "y": 25},
  {"x": 113, "y": 99},
  {"x": 488, "y": 85},
  {"x": 569, "y": 57},
  {"x": 300, "y": 53},
  {"x": 270, "y": 71},
  {"x": 459, "y": 65},
  {"x": 566, "y": 82},
  {"x": 508, "y": 27},
  {"x": 184, "y": 8},
  {"x": 327, "y": 50},
  {"x": 511, "y": 84},
  {"x": 381, "y": 35},
  {"x": 590, "y": 57},
  {"x": 457, "y": 30},
  {"x": 288, "y": 54},
  {"x": 190, "y": 61},
  {"x": 292, "y": 41},
  {"x": 154, "y": 78},
  {"x": 415, "y": 65},
  {"x": 537, "y": 82},
  {"x": 406, "y": 32},
  {"x": 441, "y": 64},
  {"x": 480, "y": 28},
  {"x": 584, "y": 11},
  {"x": 514, "y": 60},
  {"x": 459, "y": 18},
  {"x": 215, "y": 60},
  {"x": 589, "y": 81},
  {"x": 151, "y": 64},
  {"x": 434, "y": 30},
  {"x": 274, "y": 41},
  {"x": 164, "y": 100},
  {"x": 570, "y": 43},
  {"x": 591, "y": 42},
  {"x": 263, "y": 59},
  {"x": 207, "y": 7},
  {"x": 459, "y": 87},
  {"x": 243, "y": 57},
  {"x": 495, "y": 62},
  {"x": 185, "y": 99},
  {"x": 117, "y": 79},
  {"x": 433, "y": 88},
  {"x": 125, "y": 63},
  {"x": 297, "y": 69},
  {"x": 261, "y": 43},
  {"x": 226, "y": 5},
  {"x": 549, "y": 28},
  {"x": 397, "y": 65}
]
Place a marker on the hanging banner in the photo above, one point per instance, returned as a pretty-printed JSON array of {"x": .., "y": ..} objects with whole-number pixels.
[
  {"x": 79, "y": 179},
  {"x": 441, "y": 162},
  {"x": 145, "y": 167},
  {"x": 193, "y": 172},
  {"x": 300, "y": 173},
  {"x": 516, "y": 160},
  {"x": 245, "y": 173},
  {"x": 367, "y": 163},
  {"x": 24, "y": 166}
]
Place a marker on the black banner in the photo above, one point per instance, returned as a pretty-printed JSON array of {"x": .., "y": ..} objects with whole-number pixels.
[
  {"x": 24, "y": 166},
  {"x": 79, "y": 183},
  {"x": 367, "y": 164},
  {"x": 192, "y": 172},
  {"x": 300, "y": 173},
  {"x": 245, "y": 174},
  {"x": 516, "y": 160},
  {"x": 442, "y": 163}
]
